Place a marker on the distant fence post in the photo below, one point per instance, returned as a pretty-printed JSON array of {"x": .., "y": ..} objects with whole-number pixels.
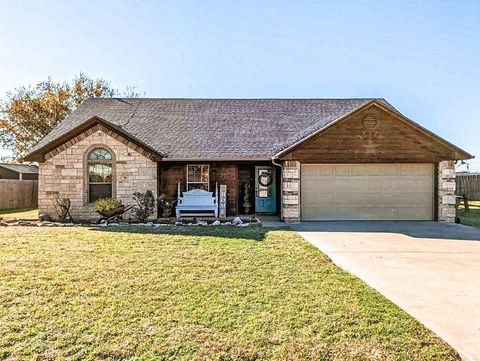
[{"x": 16, "y": 193}]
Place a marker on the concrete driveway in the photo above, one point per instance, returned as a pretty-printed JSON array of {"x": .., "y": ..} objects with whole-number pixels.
[{"x": 430, "y": 269}]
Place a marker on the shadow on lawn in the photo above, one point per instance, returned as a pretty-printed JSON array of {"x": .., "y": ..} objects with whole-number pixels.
[{"x": 256, "y": 233}]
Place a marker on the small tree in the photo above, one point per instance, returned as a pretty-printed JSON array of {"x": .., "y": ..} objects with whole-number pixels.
[{"x": 145, "y": 205}]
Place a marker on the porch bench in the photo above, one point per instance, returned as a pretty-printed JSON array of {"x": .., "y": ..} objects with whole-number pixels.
[{"x": 196, "y": 203}]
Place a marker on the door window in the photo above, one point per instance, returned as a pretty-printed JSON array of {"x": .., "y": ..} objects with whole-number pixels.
[{"x": 264, "y": 182}]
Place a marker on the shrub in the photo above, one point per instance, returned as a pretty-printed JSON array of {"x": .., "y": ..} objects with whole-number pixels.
[
  {"x": 145, "y": 205},
  {"x": 166, "y": 204},
  {"x": 106, "y": 204}
]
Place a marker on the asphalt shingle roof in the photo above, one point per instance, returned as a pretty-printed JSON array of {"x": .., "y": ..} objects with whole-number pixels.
[{"x": 212, "y": 128}]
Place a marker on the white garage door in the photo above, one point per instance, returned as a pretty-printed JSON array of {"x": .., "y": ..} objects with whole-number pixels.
[{"x": 367, "y": 191}]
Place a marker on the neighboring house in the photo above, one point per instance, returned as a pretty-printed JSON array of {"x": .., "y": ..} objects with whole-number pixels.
[
  {"x": 18, "y": 171},
  {"x": 305, "y": 159}
]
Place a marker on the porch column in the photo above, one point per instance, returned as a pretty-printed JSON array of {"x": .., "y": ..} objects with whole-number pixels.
[
  {"x": 291, "y": 191},
  {"x": 446, "y": 191}
]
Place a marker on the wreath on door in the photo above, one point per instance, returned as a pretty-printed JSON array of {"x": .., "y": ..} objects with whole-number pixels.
[{"x": 265, "y": 178}]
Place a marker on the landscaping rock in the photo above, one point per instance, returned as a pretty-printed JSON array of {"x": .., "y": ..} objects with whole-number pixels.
[
  {"x": 148, "y": 224},
  {"x": 227, "y": 224},
  {"x": 243, "y": 225},
  {"x": 237, "y": 221},
  {"x": 216, "y": 223},
  {"x": 45, "y": 224},
  {"x": 202, "y": 223},
  {"x": 178, "y": 223},
  {"x": 3, "y": 224},
  {"x": 26, "y": 223},
  {"x": 44, "y": 218}
]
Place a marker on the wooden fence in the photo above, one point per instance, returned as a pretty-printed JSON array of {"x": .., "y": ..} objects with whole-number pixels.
[
  {"x": 15, "y": 193},
  {"x": 468, "y": 184}
]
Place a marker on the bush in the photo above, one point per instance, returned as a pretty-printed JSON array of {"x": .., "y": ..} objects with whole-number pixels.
[
  {"x": 145, "y": 205},
  {"x": 106, "y": 204},
  {"x": 166, "y": 204}
]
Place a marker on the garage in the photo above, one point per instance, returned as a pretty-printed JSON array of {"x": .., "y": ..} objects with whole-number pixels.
[{"x": 393, "y": 191}]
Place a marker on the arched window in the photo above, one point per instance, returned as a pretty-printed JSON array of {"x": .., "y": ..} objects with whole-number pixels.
[{"x": 100, "y": 174}]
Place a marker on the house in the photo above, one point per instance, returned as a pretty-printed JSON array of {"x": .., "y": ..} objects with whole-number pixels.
[
  {"x": 18, "y": 171},
  {"x": 304, "y": 159}
]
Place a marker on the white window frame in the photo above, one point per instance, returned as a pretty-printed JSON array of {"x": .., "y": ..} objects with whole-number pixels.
[{"x": 208, "y": 175}]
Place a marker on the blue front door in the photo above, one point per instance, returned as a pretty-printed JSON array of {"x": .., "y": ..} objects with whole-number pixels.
[{"x": 265, "y": 190}]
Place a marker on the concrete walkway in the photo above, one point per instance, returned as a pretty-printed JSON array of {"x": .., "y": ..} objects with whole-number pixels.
[{"x": 430, "y": 269}]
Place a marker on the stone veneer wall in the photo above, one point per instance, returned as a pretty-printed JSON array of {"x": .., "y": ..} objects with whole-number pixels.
[
  {"x": 64, "y": 173},
  {"x": 291, "y": 191},
  {"x": 446, "y": 192}
]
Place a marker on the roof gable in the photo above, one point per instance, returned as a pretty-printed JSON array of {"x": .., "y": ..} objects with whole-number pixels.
[{"x": 372, "y": 133}]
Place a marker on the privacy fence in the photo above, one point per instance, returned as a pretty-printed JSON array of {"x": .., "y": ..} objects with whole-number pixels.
[
  {"x": 468, "y": 184},
  {"x": 15, "y": 193}
]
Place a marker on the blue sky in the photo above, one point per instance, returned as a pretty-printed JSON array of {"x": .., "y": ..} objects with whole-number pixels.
[{"x": 423, "y": 57}]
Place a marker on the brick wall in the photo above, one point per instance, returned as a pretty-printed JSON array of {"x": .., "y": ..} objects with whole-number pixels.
[
  {"x": 64, "y": 172},
  {"x": 446, "y": 191},
  {"x": 291, "y": 191}
]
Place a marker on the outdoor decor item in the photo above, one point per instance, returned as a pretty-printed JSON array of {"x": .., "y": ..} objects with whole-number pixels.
[
  {"x": 246, "y": 197},
  {"x": 113, "y": 214},
  {"x": 197, "y": 203},
  {"x": 223, "y": 201}
]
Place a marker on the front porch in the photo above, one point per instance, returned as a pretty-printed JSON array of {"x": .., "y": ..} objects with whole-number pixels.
[{"x": 252, "y": 188}]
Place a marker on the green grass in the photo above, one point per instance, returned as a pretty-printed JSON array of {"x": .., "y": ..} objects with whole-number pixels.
[
  {"x": 19, "y": 213},
  {"x": 220, "y": 293},
  {"x": 472, "y": 217}
]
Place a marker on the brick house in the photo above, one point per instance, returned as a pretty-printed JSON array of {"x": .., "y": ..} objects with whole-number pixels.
[{"x": 304, "y": 159}]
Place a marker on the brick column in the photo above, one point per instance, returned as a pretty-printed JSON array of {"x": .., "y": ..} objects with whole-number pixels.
[
  {"x": 291, "y": 191},
  {"x": 446, "y": 191}
]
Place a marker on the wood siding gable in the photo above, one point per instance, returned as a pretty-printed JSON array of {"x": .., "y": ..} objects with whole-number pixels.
[{"x": 374, "y": 134}]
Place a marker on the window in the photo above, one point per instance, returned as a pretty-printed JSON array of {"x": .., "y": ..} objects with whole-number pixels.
[
  {"x": 100, "y": 174},
  {"x": 197, "y": 176},
  {"x": 264, "y": 181}
]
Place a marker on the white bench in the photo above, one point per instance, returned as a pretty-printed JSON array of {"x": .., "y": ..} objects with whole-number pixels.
[{"x": 196, "y": 203}]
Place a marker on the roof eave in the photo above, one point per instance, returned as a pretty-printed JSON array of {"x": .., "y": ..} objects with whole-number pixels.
[{"x": 220, "y": 159}]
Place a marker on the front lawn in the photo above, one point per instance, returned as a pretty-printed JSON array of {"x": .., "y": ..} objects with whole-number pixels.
[
  {"x": 472, "y": 217},
  {"x": 19, "y": 213},
  {"x": 220, "y": 293}
]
